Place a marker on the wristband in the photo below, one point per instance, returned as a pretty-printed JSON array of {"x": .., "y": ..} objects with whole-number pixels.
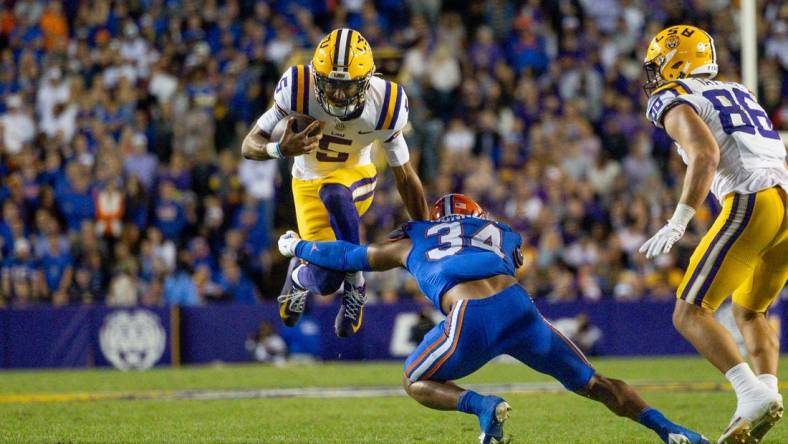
[
  {"x": 273, "y": 151},
  {"x": 682, "y": 215}
]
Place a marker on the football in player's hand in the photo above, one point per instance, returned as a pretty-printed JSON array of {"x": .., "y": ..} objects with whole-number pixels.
[{"x": 299, "y": 122}]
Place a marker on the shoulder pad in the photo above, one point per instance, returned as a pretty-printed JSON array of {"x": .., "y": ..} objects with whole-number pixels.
[
  {"x": 676, "y": 86},
  {"x": 293, "y": 90},
  {"x": 299, "y": 100},
  {"x": 503, "y": 226},
  {"x": 393, "y": 99}
]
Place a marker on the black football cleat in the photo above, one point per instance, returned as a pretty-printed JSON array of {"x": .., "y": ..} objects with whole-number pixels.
[
  {"x": 293, "y": 298},
  {"x": 351, "y": 313}
]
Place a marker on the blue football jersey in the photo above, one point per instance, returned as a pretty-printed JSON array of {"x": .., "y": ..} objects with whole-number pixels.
[{"x": 458, "y": 249}]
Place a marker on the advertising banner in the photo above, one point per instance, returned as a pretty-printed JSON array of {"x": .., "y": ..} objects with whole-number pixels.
[{"x": 136, "y": 338}]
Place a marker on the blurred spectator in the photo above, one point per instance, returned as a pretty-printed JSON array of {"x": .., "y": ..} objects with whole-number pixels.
[
  {"x": 265, "y": 345},
  {"x": 109, "y": 211},
  {"x": 16, "y": 125},
  {"x": 580, "y": 331},
  {"x": 170, "y": 214},
  {"x": 239, "y": 289},
  {"x": 54, "y": 90},
  {"x": 120, "y": 123},
  {"x": 206, "y": 289},
  {"x": 154, "y": 294},
  {"x": 141, "y": 164},
  {"x": 76, "y": 203},
  {"x": 179, "y": 289},
  {"x": 122, "y": 289},
  {"x": 19, "y": 283},
  {"x": 83, "y": 290},
  {"x": 527, "y": 51},
  {"x": 56, "y": 268},
  {"x": 54, "y": 26},
  {"x": 445, "y": 77}
]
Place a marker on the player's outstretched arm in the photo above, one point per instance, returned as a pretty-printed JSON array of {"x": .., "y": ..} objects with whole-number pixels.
[
  {"x": 686, "y": 127},
  {"x": 411, "y": 191},
  {"x": 345, "y": 256}
]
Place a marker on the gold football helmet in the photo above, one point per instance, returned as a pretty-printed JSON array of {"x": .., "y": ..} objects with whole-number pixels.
[
  {"x": 342, "y": 66},
  {"x": 678, "y": 52}
]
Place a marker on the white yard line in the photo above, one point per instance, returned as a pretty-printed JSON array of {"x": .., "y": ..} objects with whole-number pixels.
[{"x": 330, "y": 392}]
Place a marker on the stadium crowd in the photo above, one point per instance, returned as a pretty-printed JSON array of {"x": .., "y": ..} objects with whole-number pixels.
[{"x": 121, "y": 179}]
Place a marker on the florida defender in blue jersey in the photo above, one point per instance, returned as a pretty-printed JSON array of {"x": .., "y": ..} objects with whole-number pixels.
[{"x": 465, "y": 264}]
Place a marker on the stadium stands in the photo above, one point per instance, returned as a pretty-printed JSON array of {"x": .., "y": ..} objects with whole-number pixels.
[{"x": 121, "y": 179}]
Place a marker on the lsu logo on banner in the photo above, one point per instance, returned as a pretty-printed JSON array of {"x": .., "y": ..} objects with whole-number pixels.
[{"x": 132, "y": 339}]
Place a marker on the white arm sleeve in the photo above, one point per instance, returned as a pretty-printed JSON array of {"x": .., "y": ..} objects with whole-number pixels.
[
  {"x": 270, "y": 118},
  {"x": 396, "y": 150}
]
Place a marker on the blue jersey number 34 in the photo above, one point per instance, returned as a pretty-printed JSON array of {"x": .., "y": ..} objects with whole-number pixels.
[{"x": 452, "y": 242}]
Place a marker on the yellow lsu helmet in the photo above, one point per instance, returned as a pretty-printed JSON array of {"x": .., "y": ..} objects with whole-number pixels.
[
  {"x": 678, "y": 52},
  {"x": 342, "y": 66}
]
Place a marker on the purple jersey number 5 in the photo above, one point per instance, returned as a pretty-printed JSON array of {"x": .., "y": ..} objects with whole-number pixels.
[{"x": 326, "y": 154}]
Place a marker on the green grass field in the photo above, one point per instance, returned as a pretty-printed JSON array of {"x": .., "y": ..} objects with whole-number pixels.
[{"x": 160, "y": 405}]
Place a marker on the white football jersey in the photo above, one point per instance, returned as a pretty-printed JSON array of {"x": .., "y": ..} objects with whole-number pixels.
[
  {"x": 752, "y": 155},
  {"x": 344, "y": 144}
]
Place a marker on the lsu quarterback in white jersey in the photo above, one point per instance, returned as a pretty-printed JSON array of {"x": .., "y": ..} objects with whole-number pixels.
[
  {"x": 333, "y": 175},
  {"x": 731, "y": 149}
]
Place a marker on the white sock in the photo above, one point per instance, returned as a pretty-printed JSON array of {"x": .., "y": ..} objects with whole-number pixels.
[
  {"x": 357, "y": 278},
  {"x": 744, "y": 382},
  {"x": 769, "y": 381}
]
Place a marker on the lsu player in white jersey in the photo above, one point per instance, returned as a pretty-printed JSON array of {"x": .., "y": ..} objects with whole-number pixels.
[
  {"x": 333, "y": 174},
  {"x": 730, "y": 147}
]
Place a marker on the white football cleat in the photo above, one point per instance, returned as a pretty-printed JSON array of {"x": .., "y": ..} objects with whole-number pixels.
[
  {"x": 773, "y": 415},
  {"x": 752, "y": 426}
]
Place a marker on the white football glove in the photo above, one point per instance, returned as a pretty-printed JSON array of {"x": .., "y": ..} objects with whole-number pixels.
[
  {"x": 663, "y": 241},
  {"x": 668, "y": 235},
  {"x": 288, "y": 243}
]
